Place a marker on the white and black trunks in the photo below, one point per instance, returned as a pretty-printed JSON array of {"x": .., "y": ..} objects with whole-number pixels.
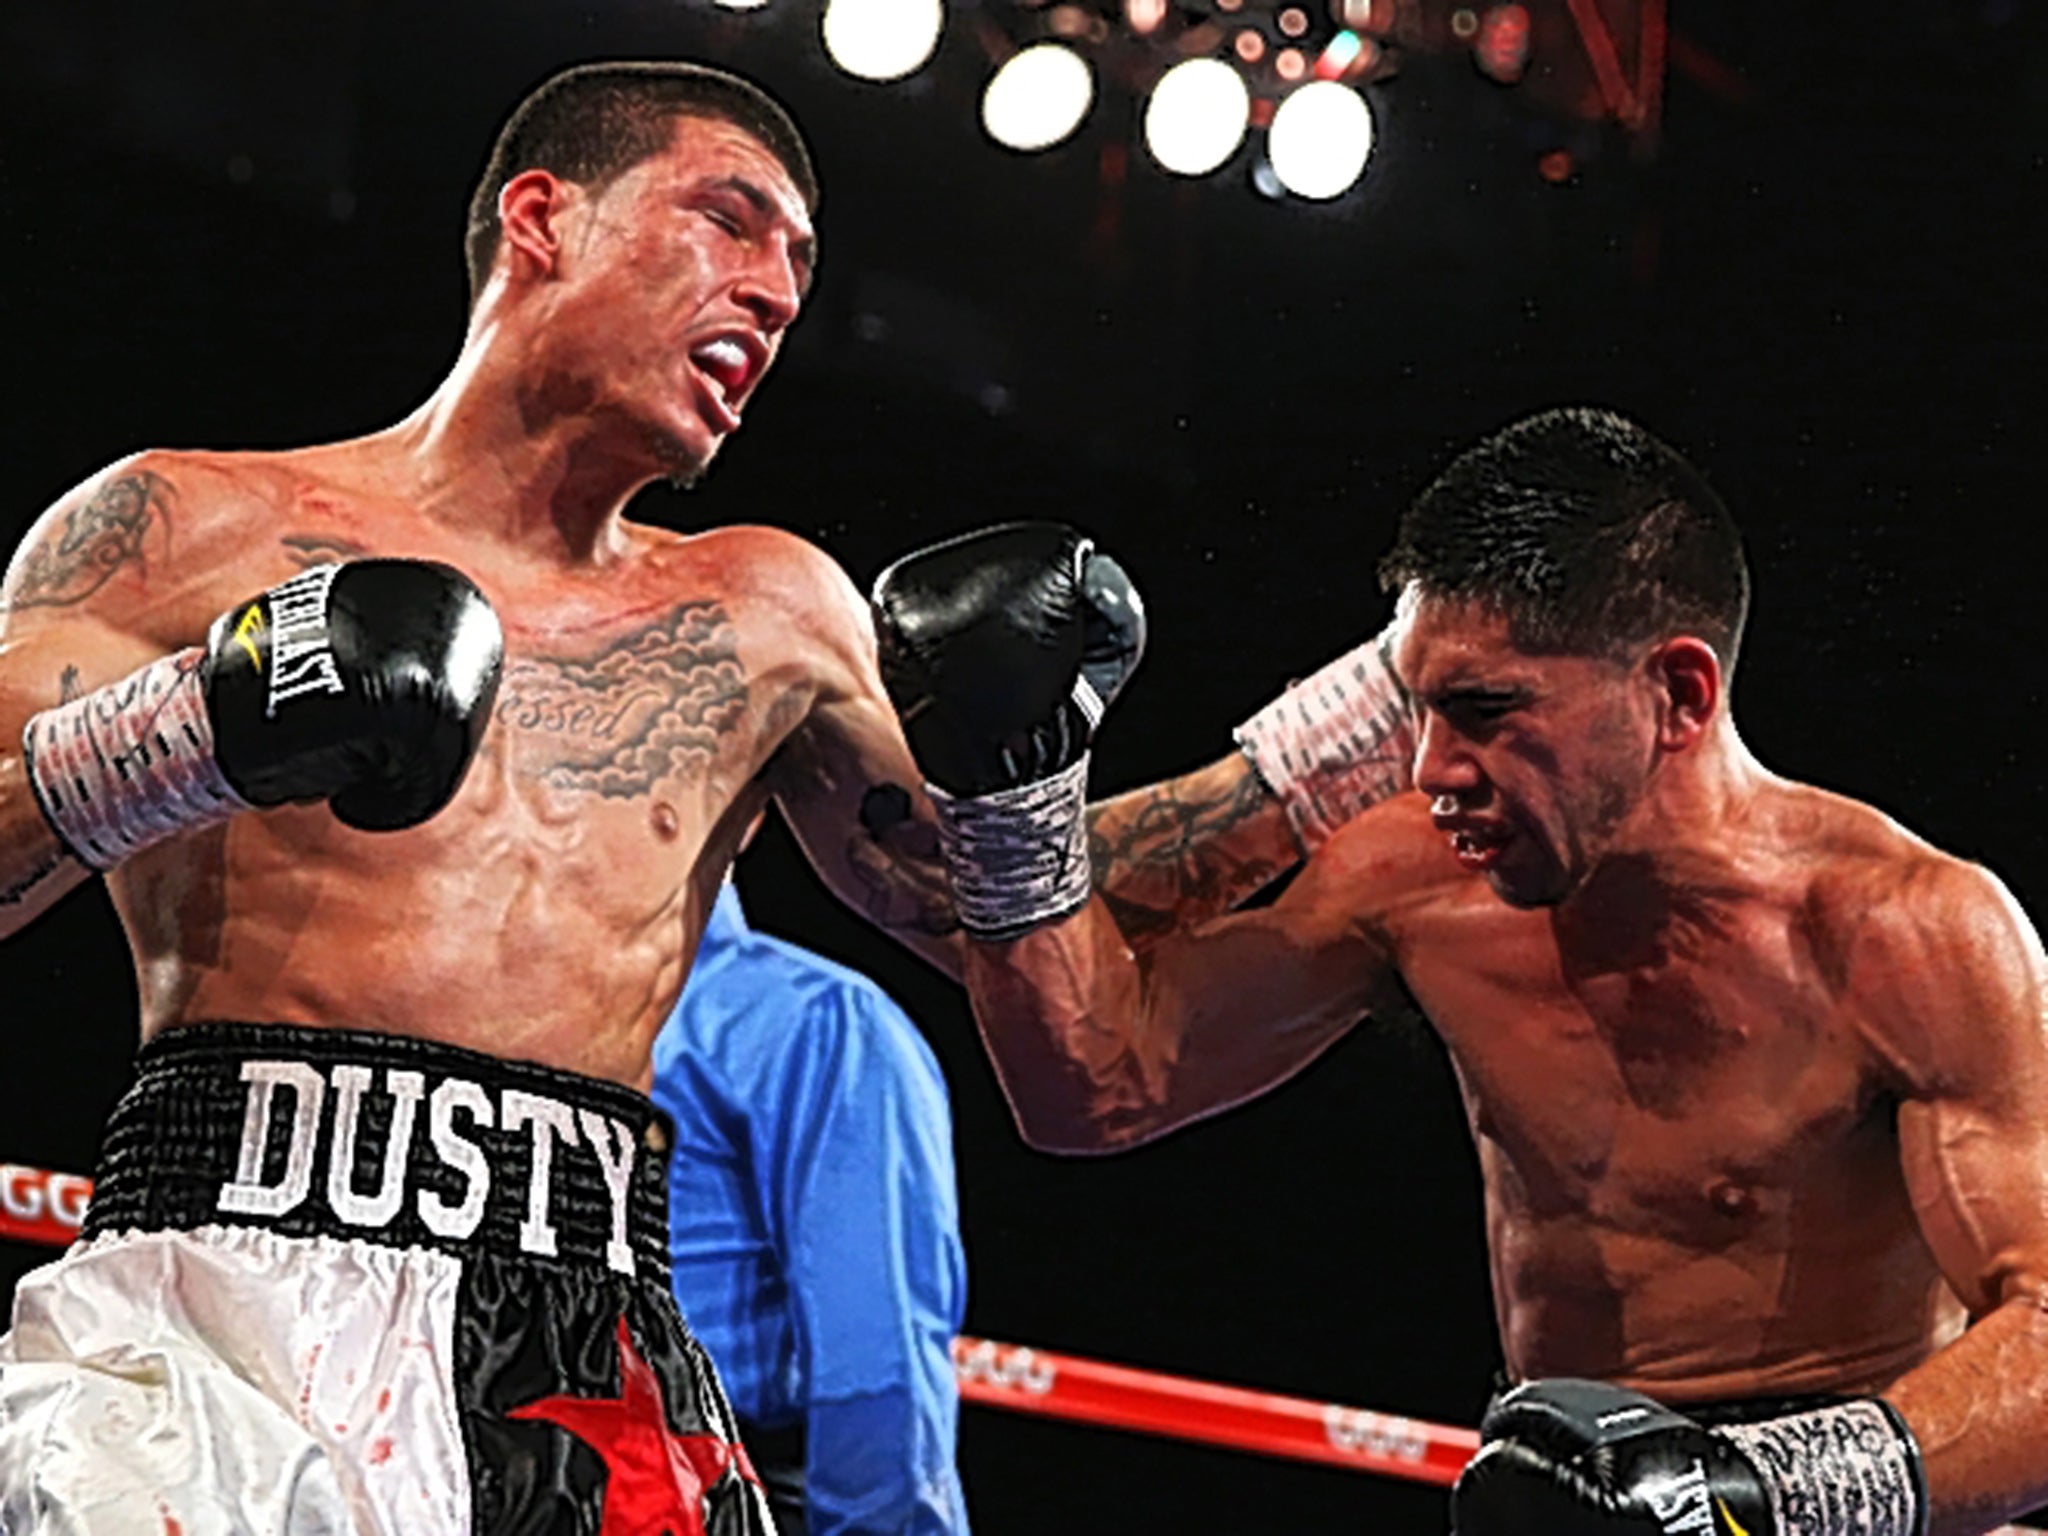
[{"x": 354, "y": 1283}]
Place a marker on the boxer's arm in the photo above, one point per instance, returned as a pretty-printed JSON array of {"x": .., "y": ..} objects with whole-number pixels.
[
  {"x": 1163, "y": 857},
  {"x": 1322, "y": 752},
  {"x": 71, "y": 619},
  {"x": 844, "y": 779},
  {"x": 1176, "y": 853},
  {"x": 1959, "y": 990},
  {"x": 1100, "y": 1047}
]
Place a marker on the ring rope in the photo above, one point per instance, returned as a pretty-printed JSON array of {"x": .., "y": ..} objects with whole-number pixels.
[{"x": 38, "y": 1206}]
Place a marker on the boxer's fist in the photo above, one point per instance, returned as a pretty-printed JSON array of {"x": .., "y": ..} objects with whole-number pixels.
[
  {"x": 367, "y": 685},
  {"x": 1002, "y": 648},
  {"x": 1579, "y": 1458}
]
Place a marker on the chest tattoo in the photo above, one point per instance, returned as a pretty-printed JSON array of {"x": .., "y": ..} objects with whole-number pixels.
[{"x": 649, "y": 705}]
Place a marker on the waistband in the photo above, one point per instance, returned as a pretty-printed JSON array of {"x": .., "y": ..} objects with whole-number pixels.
[{"x": 396, "y": 1141}]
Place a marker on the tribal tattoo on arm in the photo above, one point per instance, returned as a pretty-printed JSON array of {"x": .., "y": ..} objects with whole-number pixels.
[
  {"x": 69, "y": 563},
  {"x": 1181, "y": 852}
]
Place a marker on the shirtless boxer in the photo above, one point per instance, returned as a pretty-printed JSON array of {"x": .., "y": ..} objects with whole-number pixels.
[
  {"x": 378, "y": 1240},
  {"x": 1758, "y": 1078}
]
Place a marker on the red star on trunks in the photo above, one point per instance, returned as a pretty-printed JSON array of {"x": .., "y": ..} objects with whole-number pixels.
[{"x": 655, "y": 1479}]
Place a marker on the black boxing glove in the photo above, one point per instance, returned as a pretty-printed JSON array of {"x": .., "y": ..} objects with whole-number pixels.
[
  {"x": 367, "y": 685},
  {"x": 1580, "y": 1458},
  {"x": 1001, "y": 650}
]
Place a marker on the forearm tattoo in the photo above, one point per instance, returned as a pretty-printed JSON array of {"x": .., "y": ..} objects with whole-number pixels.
[
  {"x": 896, "y": 859},
  {"x": 14, "y": 894},
  {"x": 1166, "y": 857},
  {"x": 649, "y": 706},
  {"x": 68, "y": 564}
]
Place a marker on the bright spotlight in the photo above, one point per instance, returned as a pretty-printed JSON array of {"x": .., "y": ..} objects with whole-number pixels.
[
  {"x": 741, "y": 5},
  {"x": 1320, "y": 138},
  {"x": 1038, "y": 97},
  {"x": 1195, "y": 119},
  {"x": 882, "y": 39}
]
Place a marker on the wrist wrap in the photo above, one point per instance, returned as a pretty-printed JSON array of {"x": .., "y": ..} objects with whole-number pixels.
[
  {"x": 129, "y": 764},
  {"x": 1018, "y": 857},
  {"x": 1336, "y": 743},
  {"x": 1849, "y": 1470}
]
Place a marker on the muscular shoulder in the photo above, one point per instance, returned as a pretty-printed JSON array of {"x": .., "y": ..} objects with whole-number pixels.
[
  {"x": 1859, "y": 872},
  {"x": 782, "y": 574},
  {"x": 1941, "y": 967},
  {"x": 1388, "y": 867},
  {"x": 140, "y": 539}
]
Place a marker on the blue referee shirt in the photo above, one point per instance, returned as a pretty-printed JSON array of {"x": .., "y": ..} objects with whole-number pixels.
[{"x": 814, "y": 1223}]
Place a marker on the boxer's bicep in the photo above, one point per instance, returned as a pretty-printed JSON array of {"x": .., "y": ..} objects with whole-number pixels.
[
  {"x": 1968, "y": 1043},
  {"x": 1969, "y": 1040},
  {"x": 1100, "y": 1048}
]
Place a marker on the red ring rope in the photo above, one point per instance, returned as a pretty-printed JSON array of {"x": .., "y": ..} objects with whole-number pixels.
[{"x": 41, "y": 1207}]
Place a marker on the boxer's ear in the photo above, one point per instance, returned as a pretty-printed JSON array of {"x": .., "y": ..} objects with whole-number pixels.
[
  {"x": 1688, "y": 679},
  {"x": 530, "y": 211}
]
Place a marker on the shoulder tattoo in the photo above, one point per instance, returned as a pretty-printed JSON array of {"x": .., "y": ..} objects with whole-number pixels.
[{"x": 71, "y": 562}]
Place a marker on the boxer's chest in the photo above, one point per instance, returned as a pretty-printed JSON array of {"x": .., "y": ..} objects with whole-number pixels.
[
  {"x": 1692, "y": 1088},
  {"x": 635, "y": 705}
]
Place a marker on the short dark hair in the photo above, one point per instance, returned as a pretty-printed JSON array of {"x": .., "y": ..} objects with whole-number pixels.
[
  {"x": 591, "y": 123},
  {"x": 1587, "y": 534}
]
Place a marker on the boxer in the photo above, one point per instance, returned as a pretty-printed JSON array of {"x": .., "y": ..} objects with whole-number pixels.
[
  {"x": 414, "y": 769},
  {"x": 1758, "y": 1078}
]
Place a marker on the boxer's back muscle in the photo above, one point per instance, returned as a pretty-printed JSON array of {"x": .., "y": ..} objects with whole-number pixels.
[
  {"x": 1692, "y": 1172},
  {"x": 549, "y": 912}
]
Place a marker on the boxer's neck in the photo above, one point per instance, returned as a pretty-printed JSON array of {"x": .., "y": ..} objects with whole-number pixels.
[
  {"x": 490, "y": 453},
  {"x": 1697, "y": 802}
]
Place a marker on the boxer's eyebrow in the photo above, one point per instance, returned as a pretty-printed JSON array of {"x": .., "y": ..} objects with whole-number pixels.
[{"x": 803, "y": 249}]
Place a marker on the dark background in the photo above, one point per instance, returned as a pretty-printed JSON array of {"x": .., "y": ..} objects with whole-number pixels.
[{"x": 237, "y": 225}]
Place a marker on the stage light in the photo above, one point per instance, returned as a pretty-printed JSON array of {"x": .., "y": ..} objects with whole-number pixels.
[
  {"x": 741, "y": 5},
  {"x": 1345, "y": 49},
  {"x": 1037, "y": 98},
  {"x": 1290, "y": 64},
  {"x": 1320, "y": 139},
  {"x": 1195, "y": 119},
  {"x": 1249, "y": 45},
  {"x": 882, "y": 39}
]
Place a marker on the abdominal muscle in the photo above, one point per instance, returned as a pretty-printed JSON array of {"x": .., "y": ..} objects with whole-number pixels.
[
  {"x": 1843, "y": 1307},
  {"x": 518, "y": 922}
]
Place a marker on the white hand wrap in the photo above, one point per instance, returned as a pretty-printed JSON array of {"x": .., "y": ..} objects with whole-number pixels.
[
  {"x": 129, "y": 764},
  {"x": 1336, "y": 743},
  {"x": 1018, "y": 857},
  {"x": 1849, "y": 1470}
]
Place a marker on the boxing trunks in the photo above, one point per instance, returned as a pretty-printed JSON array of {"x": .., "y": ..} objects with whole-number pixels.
[{"x": 347, "y": 1283}]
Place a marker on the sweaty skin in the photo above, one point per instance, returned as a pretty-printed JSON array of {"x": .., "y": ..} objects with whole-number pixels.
[
  {"x": 658, "y": 690},
  {"x": 1758, "y": 1080}
]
